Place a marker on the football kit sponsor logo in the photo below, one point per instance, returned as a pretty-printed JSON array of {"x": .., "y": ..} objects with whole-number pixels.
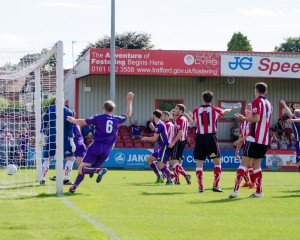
[{"x": 120, "y": 157}]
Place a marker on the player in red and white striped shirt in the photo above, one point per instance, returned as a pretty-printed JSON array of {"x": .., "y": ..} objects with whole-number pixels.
[
  {"x": 178, "y": 144},
  {"x": 257, "y": 142},
  {"x": 169, "y": 125},
  {"x": 245, "y": 128},
  {"x": 206, "y": 146}
]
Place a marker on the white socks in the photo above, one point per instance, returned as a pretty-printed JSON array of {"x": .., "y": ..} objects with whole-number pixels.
[
  {"x": 45, "y": 168},
  {"x": 68, "y": 169}
]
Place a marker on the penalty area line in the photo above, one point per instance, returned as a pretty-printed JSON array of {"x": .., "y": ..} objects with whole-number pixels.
[{"x": 111, "y": 234}]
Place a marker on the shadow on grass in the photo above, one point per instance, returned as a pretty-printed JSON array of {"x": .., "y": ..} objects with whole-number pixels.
[
  {"x": 162, "y": 193},
  {"x": 223, "y": 200},
  {"x": 22, "y": 187},
  {"x": 146, "y": 184},
  {"x": 228, "y": 188},
  {"x": 292, "y": 191},
  {"x": 44, "y": 195},
  {"x": 288, "y": 196}
]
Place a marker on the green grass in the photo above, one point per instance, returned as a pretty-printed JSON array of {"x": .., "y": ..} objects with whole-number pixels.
[{"x": 131, "y": 205}]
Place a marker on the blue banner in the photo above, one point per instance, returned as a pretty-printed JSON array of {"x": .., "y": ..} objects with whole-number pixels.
[
  {"x": 128, "y": 158},
  {"x": 136, "y": 158}
]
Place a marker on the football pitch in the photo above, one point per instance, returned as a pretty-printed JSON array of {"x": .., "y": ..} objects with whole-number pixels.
[{"x": 127, "y": 204}]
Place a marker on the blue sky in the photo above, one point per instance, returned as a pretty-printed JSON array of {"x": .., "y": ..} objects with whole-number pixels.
[{"x": 173, "y": 24}]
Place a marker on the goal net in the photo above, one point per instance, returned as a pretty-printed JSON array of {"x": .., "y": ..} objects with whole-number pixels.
[{"x": 29, "y": 81}]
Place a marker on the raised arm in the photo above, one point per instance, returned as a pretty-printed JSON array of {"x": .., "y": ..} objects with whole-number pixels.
[
  {"x": 189, "y": 116},
  {"x": 130, "y": 120},
  {"x": 283, "y": 104},
  {"x": 130, "y": 96}
]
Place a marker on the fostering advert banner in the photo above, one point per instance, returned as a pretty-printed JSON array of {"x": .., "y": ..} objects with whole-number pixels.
[
  {"x": 155, "y": 62},
  {"x": 136, "y": 158}
]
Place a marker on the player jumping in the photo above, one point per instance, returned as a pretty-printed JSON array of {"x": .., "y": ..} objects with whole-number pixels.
[{"x": 106, "y": 132}]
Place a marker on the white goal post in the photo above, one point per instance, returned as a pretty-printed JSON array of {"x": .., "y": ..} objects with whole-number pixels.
[{"x": 28, "y": 81}]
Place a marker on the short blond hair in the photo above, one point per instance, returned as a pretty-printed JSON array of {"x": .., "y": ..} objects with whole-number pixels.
[
  {"x": 297, "y": 113},
  {"x": 109, "y": 106}
]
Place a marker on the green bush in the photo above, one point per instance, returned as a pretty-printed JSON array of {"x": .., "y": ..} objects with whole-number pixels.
[
  {"x": 167, "y": 105},
  {"x": 47, "y": 102},
  {"x": 3, "y": 104},
  {"x": 16, "y": 107}
]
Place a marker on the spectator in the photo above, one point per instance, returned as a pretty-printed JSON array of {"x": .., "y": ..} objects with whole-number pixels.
[
  {"x": 23, "y": 142},
  {"x": 5, "y": 140},
  {"x": 234, "y": 133},
  {"x": 283, "y": 141},
  {"x": 136, "y": 130},
  {"x": 292, "y": 137},
  {"x": 279, "y": 126},
  {"x": 31, "y": 152},
  {"x": 150, "y": 125},
  {"x": 292, "y": 144},
  {"x": 274, "y": 140}
]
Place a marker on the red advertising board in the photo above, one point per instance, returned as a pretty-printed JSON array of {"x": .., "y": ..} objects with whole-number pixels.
[{"x": 156, "y": 62}]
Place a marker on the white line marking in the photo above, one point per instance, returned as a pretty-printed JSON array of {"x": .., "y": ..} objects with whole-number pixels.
[{"x": 111, "y": 234}]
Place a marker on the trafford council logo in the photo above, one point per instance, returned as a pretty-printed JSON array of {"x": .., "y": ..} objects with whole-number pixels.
[
  {"x": 189, "y": 59},
  {"x": 120, "y": 157}
]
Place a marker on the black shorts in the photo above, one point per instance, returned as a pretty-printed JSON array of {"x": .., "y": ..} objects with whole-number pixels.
[
  {"x": 254, "y": 150},
  {"x": 206, "y": 147},
  {"x": 176, "y": 153}
]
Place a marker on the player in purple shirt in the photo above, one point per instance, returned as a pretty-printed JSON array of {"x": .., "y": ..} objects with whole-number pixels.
[
  {"x": 294, "y": 119},
  {"x": 79, "y": 143},
  {"x": 162, "y": 154},
  {"x": 106, "y": 131},
  {"x": 80, "y": 148}
]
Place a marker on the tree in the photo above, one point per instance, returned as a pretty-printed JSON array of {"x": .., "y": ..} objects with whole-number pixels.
[
  {"x": 239, "y": 42},
  {"x": 127, "y": 40},
  {"x": 290, "y": 45},
  {"x": 34, "y": 57}
]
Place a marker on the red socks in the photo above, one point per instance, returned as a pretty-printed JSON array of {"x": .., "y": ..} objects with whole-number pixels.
[
  {"x": 217, "y": 174},
  {"x": 199, "y": 176},
  {"x": 239, "y": 177},
  {"x": 257, "y": 177}
]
